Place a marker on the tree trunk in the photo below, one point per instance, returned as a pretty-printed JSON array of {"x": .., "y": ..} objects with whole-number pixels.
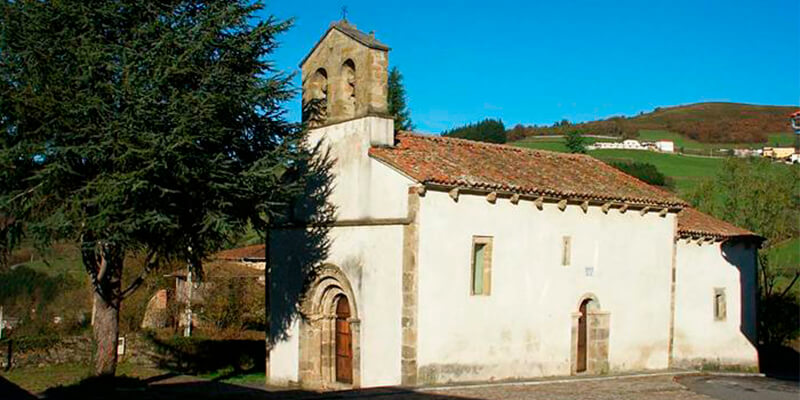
[
  {"x": 105, "y": 334},
  {"x": 107, "y": 299}
]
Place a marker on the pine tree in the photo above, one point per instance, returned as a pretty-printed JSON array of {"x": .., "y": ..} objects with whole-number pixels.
[
  {"x": 153, "y": 129},
  {"x": 488, "y": 130},
  {"x": 397, "y": 102},
  {"x": 575, "y": 141}
]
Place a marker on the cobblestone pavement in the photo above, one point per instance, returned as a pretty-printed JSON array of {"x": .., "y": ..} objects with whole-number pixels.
[{"x": 654, "y": 387}]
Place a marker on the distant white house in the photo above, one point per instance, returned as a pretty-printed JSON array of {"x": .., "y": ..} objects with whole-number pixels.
[
  {"x": 665, "y": 146},
  {"x": 632, "y": 144}
]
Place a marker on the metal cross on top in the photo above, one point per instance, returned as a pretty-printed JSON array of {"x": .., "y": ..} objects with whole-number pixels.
[{"x": 344, "y": 13}]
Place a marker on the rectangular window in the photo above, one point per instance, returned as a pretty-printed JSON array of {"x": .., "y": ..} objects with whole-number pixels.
[
  {"x": 566, "y": 250},
  {"x": 481, "y": 265},
  {"x": 720, "y": 311}
]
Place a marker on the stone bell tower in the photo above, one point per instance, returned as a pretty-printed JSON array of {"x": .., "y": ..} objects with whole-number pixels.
[{"x": 345, "y": 76}]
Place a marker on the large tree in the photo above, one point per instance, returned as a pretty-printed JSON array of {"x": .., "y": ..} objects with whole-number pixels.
[
  {"x": 397, "y": 101},
  {"x": 146, "y": 129}
]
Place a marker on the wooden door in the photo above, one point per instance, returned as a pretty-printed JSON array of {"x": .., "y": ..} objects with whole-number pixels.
[
  {"x": 344, "y": 342},
  {"x": 581, "y": 362}
]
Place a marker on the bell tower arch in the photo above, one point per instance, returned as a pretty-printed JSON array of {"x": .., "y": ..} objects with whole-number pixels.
[{"x": 355, "y": 66}]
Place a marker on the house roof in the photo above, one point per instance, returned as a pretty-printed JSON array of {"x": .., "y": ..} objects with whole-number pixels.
[
  {"x": 695, "y": 223},
  {"x": 223, "y": 269},
  {"x": 350, "y": 30},
  {"x": 484, "y": 166},
  {"x": 248, "y": 253}
]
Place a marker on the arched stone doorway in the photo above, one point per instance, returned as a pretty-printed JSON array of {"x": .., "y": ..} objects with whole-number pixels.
[
  {"x": 329, "y": 333},
  {"x": 590, "y": 330}
]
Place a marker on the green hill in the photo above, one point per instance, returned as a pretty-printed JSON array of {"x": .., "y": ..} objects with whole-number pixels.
[{"x": 692, "y": 126}]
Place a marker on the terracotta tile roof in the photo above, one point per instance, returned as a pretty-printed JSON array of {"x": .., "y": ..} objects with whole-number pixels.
[
  {"x": 216, "y": 269},
  {"x": 483, "y": 166},
  {"x": 248, "y": 253},
  {"x": 361, "y": 37},
  {"x": 695, "y": 223},
  {"x": 355, "y": 34}
]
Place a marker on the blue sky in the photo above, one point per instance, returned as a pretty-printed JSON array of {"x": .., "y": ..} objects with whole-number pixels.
[{"x": 536, "y": 62}]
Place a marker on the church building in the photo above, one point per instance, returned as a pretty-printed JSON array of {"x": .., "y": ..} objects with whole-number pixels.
[{"x": 452, "y": 261}]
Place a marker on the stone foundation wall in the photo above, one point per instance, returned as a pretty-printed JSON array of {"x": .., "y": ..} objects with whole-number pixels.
[{"x": 27, "y": 353}]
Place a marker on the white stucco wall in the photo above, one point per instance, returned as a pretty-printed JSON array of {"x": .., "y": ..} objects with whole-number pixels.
[
  {"x": 699, "y": 338},
  {"x": 362, "y": 186},
  {"x": 370, "y": 256},
  {"x": 523, "y": 328}
]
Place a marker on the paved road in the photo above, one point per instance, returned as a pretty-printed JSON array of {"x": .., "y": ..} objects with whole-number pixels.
[
  {"x": 742, "y": 388},
  {"x": 650, "y": 388},
  {"x": 659, "y": 387}
]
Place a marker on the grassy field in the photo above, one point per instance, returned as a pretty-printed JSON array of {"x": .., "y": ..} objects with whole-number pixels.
[
  {"x": 685, "y": 171},
  {"x": 779, "y": 139},
  {"x": 704, "y": 122},
  {"x": 36, "y": 380},
  {"x": 552, "y": 143}
]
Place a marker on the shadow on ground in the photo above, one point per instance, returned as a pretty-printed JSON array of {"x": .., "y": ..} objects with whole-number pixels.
[
  {"x": 201, "y": 356},
  {"x": 11, "y": 391},
  {"x": 183, "y": 387},
  {"x": 779, "y": 362}
]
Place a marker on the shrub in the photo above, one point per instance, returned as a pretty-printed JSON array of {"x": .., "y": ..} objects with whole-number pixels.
[{"x": 642, "y": 170}]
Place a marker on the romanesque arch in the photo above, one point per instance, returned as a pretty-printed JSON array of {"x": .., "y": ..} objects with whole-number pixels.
[
  {"x": 348, "y": 92},
  {"x": 315, "y": 107},
  {"x": 590, "y": 330},
  {"x": 321, "y": 305}
]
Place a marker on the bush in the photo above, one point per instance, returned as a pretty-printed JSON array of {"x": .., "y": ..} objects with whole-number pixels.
[
  {"x": 779, "y": 319},
  {"x": 642, "y": 170}
]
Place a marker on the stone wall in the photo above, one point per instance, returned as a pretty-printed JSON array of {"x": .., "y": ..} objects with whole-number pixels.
[
  {"x": 27, "y": 353},
  {"x": 351, "y": 78}
]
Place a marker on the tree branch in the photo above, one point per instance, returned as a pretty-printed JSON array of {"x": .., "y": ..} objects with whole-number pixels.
[
  {"x": 149, "y": 264},
  {"x": 789, "y": 287}
]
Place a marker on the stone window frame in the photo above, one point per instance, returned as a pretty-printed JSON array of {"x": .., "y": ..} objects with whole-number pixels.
[
  {"x": 487, "y": 242},
  {"x": 720, "y": 304},
  {"x": 566, "y": 250}
]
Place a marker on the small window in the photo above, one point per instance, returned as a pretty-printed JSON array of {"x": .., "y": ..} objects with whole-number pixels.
[
  {"x": 481, "y": 265},
  {"x": 566, "y": 246},
  {"x": 720, "y": 311}
]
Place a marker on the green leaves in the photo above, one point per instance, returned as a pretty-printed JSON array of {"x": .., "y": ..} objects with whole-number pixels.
[
  {"x": 152, "y": 125},
  {"x": 756, "y": 194},
  {"x": 575, "y": 141},
  {"x": 397, "y": 102},
  {"x": 488, "y": 130}
]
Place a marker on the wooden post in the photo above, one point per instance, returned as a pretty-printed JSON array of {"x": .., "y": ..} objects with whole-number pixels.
[
  {"x": 9, "y": 357},
  {"x": 267, "y": 303}
]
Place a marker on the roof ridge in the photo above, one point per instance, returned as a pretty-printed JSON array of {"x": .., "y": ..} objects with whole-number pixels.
[{"x": 502, "y": 146}]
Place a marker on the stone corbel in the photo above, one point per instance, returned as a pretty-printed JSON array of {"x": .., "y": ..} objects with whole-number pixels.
[
  {"x": 644, "y": 211},
  {"x": 539, "y": 202},
  {"x": 453, "y": 194},
  {"x": 623, "y": 209},
  {"x": 585, "y": 206},
  {"x": 491, "y": 197},
  {"x": 663, "y": 212},
  {"x": 605, "y": 208},
  {"x": 421, "y": 190},
  {"x": 562, "y": 205},
  {"x": 514, "y": 199}
]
